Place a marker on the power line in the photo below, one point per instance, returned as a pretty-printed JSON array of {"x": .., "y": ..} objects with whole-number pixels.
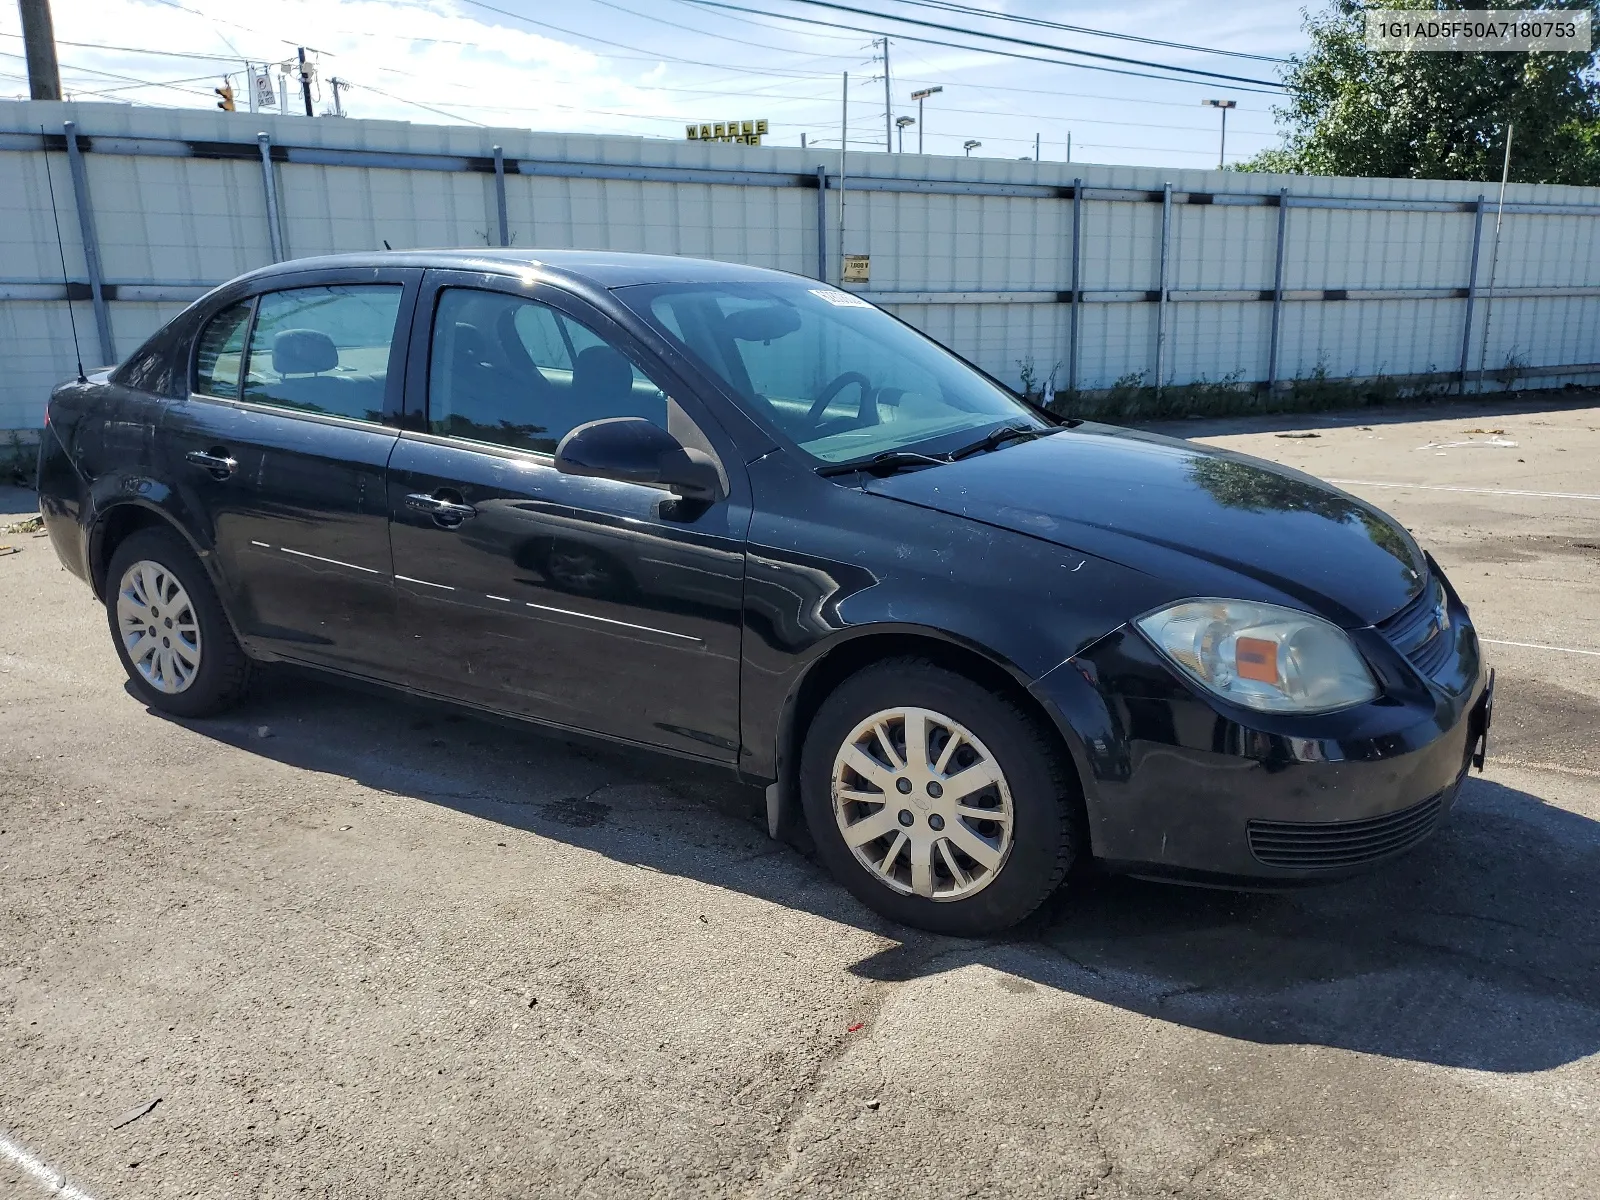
[
  {"x": 222, "y": 58},
  {"x": 113, "y": 75},
  {"x": 1040, "y": 22},
  {"x": 414, "y": 104},
  {"x": 649, "y": 55},
  {"x": 707, "y": 33},
  {"x": 999, "y": 37}
]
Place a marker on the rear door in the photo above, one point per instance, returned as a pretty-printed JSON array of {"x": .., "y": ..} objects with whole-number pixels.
[
  {"x": 607, "y": 606},
  {"x": 281, "y": 449}
]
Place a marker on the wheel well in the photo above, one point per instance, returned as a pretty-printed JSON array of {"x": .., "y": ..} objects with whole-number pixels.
[
  {"x": 861, "y": 652},
  {"x": 115, "y": 528}
]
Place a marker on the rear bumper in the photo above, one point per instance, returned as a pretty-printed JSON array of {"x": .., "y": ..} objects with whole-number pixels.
[
  {"x": 63, "y": 503},
  {"x": 1181, "y": 786}
]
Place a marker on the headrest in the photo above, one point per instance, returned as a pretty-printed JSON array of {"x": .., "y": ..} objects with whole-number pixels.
[
  {"x": 469, "y": 342},
  {"x": 303, "y": 352},
  {"x": 600, "y": 370}
]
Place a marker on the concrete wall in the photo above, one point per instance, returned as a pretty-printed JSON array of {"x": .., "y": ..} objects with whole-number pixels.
[{"x": 978, "y": 252}]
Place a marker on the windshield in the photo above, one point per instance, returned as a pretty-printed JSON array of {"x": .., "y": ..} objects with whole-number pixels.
[{"x": 840, "y": 378}]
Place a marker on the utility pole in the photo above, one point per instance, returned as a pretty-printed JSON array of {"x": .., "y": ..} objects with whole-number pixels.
[
  {"x": 305, "y": 82},
  {"x": 1069, "y": 145},
  {"x": 1224, "y": 105},
  {"x": 1036, "y": 147},
  {"x": 844, "y": 139},
  {"x": 919, "y": 97},
  {"x": 888, "y": 104},
  {"x": 39, "y": 44},
  {"x": 336, "y": 85},
  {"x": 1494, "y": 257}
]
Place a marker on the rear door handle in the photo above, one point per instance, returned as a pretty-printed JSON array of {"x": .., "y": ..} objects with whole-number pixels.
[
  {"x": 216, "y": 460},
  {"x": 446, "y": 512}
]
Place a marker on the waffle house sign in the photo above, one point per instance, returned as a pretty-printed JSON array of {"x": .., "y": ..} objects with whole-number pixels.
[{"x": 748, "y": 133}]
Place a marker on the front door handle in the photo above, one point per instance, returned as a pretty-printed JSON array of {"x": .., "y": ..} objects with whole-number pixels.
[
  {"x": 446, "y": 512},
  {"x": 215, "y": 460}
]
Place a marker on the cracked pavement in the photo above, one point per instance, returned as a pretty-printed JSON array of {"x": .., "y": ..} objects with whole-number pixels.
[{"x": 390, "y": 950}]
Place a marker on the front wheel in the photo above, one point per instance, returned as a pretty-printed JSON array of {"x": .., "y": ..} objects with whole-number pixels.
[
  {"x": 171, "y": 634},
  {"x": 936, "y": 802}
]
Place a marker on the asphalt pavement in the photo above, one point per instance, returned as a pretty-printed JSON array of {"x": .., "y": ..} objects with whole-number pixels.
[{"x": 340, "y": 944}]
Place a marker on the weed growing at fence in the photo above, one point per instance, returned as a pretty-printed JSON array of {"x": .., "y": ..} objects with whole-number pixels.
[
  {"x": 20, "y": 466},
  {"x": 1032, "y": 388},
  {"x": 1131, "y": 399}
]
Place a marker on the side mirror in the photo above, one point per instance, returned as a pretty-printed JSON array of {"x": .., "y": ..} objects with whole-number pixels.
[{"x": 634, "y": 450}]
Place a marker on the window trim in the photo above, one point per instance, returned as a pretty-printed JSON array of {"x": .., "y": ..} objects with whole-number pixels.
[{"x": 244, "y": 351}]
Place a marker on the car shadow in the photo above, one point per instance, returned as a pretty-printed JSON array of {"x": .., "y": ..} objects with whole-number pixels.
[{"x": 1479, "y": 950}]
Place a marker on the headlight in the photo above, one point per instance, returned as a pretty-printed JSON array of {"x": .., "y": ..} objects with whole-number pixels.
[{"x": 1262, "y": 656}]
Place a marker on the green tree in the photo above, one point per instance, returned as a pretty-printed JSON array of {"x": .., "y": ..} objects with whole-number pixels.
[{"x": 1354, "y": 111}]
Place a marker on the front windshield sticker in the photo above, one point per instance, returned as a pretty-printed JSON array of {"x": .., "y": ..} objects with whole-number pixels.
[{"x": 840, "y": 299}]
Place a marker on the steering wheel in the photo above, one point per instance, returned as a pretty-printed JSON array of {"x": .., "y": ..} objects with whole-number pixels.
[{"x": 835, "y": 386}]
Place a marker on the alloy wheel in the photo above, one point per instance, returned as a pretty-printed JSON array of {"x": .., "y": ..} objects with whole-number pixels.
[
  {"x": 922, "y": 804},
  {"x": 158, "y": 626}
]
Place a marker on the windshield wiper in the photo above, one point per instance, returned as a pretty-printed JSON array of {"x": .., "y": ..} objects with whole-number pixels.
[
  {"x": 998, "y": 437},
  {"x": 883, "y": 464}
]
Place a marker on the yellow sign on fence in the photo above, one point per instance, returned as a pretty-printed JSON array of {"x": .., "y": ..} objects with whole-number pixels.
[{"x": 748, "y": 133}]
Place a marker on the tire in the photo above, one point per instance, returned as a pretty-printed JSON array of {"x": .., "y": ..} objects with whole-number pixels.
[
  {"x": 200, "y": 670},
  {"x": 1018, "y": 860}
]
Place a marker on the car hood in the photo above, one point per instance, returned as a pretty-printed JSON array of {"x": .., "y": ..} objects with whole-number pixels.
[{"x": 1210, "y": 521}]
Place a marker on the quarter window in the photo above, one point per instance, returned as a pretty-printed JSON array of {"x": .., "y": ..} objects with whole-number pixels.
[
  {"x": 220, "y": 352},
  {"x": 324, "y": 349},
  {"x": 514, "y": 372}
]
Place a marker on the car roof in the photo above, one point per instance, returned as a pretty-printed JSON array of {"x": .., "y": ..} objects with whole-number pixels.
[{"x": 597, "y": 268}]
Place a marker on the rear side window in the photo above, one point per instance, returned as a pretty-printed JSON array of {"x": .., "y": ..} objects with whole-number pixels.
[
  {"x": 220, "y": 352},
  {"x": 324, "y": 349}
]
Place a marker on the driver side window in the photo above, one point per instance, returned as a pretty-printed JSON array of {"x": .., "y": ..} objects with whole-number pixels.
[{"x": 514, "y": 372}]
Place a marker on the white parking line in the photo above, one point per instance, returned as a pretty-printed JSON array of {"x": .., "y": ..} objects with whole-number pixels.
[
  {"x": 1538, "y": 766},
  {"x": 1446, "y": 487},
  {"x": 1540, "y": 646},
  {"x": 40, "y": 1171}
]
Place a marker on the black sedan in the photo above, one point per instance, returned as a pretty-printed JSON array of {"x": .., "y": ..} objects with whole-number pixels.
[{"x": 750, "y": 519}]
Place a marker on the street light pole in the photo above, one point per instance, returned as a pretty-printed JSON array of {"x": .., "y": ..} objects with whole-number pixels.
[
  {"x": 969, "y": 146},
  {"x": 919, "y": 97},
  {"x": 1224, "y": 105},
  {"x": 900, "y": 124}
]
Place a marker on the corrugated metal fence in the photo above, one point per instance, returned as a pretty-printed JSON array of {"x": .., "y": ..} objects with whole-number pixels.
[{"x": 1097, "y": 275}]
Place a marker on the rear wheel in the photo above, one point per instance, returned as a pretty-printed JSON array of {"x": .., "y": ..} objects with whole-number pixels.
[
  {"x": 938, "y": 803},
  {"x": 171, "y": 634}
]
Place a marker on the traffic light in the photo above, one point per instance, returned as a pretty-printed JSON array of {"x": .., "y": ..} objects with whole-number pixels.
[{"x": 226, "y": 92}]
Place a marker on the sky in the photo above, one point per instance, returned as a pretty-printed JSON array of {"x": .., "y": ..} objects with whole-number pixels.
[{"x": 650, "y": 67}]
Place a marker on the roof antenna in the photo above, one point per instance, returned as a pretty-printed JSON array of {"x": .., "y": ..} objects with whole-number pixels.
[{"x": 62, "y": 250}]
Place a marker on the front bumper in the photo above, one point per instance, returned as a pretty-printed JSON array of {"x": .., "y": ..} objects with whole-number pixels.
[{"x": 1179, "y": 784}]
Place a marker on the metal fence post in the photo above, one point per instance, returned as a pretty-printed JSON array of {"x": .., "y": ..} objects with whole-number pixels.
[
  {"x": 1277, "y": 292},
  {"x": 1161, "y": 297},
  {"x": 500, "y": 195},
  {"x": 1077, "y": 259},
  {"x": 1472, "y": 293},
  {"x": 91, "y": 245},
  {"x": 822, "y": 224},
  {"x": 274, "y": 230}
]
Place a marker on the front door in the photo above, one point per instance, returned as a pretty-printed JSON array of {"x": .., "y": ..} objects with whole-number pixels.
[
  {"x": 601, "y": 605},
  {"x": 281, "y": 450}
]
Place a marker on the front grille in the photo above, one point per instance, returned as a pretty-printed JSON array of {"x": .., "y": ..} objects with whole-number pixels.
[
  {"x": 1422, "y": 630},
  {"x": 1330, "y": 845}
]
